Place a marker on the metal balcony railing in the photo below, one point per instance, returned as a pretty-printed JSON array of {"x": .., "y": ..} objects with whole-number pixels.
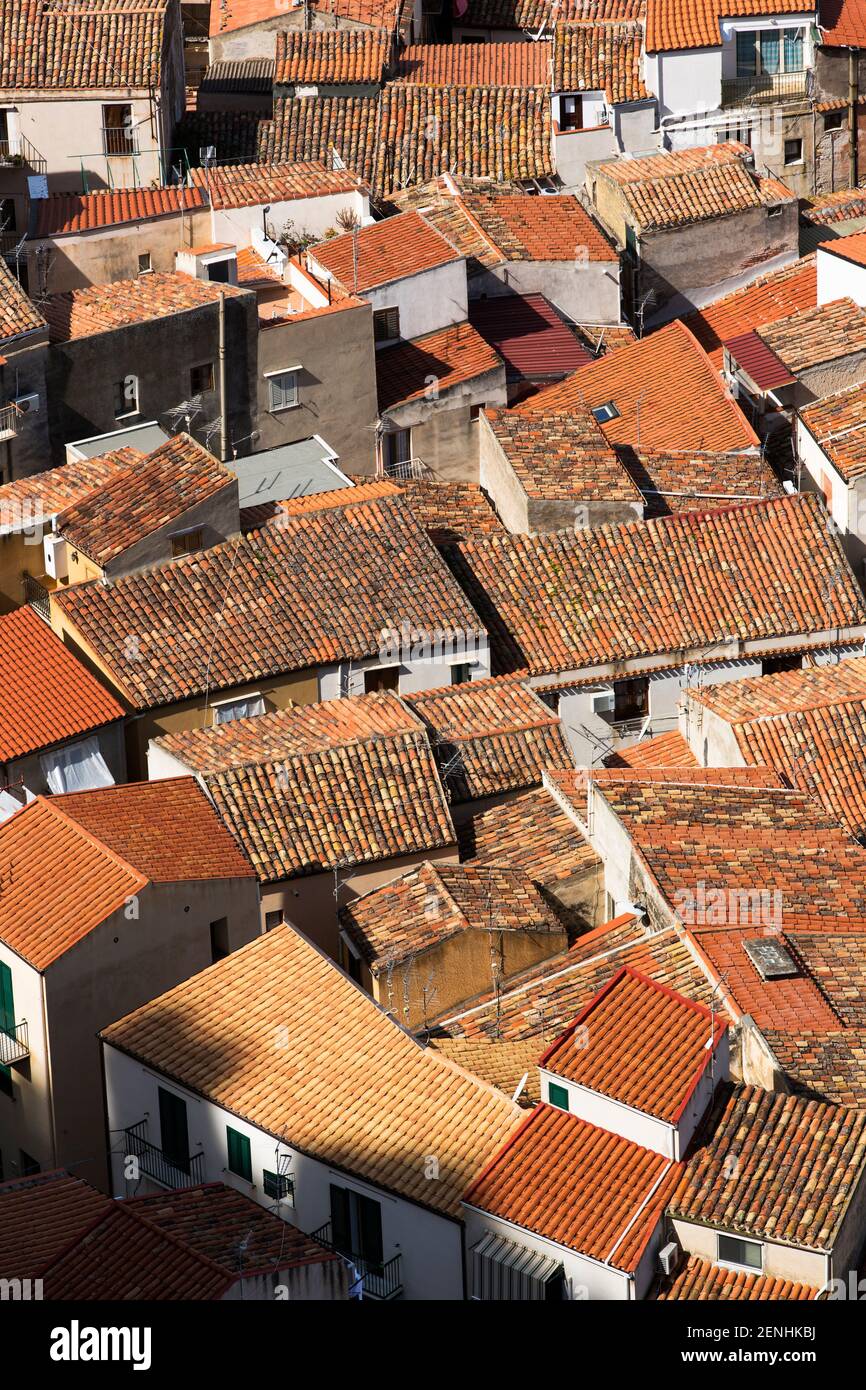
[
  {"x": 9, "y": 418},
  {"x": 17, "y": 152},
  {"x": 168, "y": 1172},
  {"x": 405, "y": 469},
  {"x": 381, "y": 1281},
  {"x": 37, "y": 596},
  {"x": 765, "y": 87},
  {"x": 14, "y": 1044},
  {"x": 119, "y": 140}
]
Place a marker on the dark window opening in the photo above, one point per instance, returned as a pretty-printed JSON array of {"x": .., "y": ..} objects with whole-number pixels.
[
  {"x": 386, "y": 325},
  {"x": 382, "y": 678},
  {"x": 219, "y": 939},
  {"x": 173, "y": 1130},
  {"x": 631, "y": 699},
  {"x": 771, "y": 665}
]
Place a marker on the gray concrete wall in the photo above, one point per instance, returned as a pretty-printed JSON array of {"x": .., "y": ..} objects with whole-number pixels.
[
  {"x": 25, "y": 374},
  {"x": 63, "y": 263},
  {"x": 444, "y": 436},
  {"x": 218, "y": 517},
  {"x": 583, "y": 291}
]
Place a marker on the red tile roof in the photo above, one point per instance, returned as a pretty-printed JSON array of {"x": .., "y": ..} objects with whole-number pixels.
[
  {"x": 86, "y": 47},
  {"x": 772, "y": 296},
  {"x": 680, "y": 24},
  {"x": 46, "y": 695},
  {"x": 528, "y": 832},
  {"x": 567, "y": 600},
  {"x": 838, "y": 423},
  {"x": 40, "y": 1215},
  {"x": 690, "y": 480},
  {"x": 101, "y": 308},
  {"x": 17, "y": 314},
  {"x": 526, "y": 330},
  {"x": 639, "y": 1043},
  {"x": 751, "y": 354},
  {"x": 167, "y": 829},
  {"x": 22, "y": 500},
  {"x": 228, "y": 15},
  {"x": 526, "y": 228},
  {"x": 685, "y": 186},
  {"x": 63, "y": 213},
  {"x": 332, "y": 57},
  {"x": 666, "y": 391},
  {"x": 561, "y": 457},
  {"x": 248, "y": 185},
  {"x": 812, "y": 337},
  {"x": 843, "y": 23},
  {"x": 700, "y": 1281},
  {"x": 579, "y": 1186},
  {"x": 665, "y": 750},
  {"x": 385, "y": 251},
  {"x": 482, "y": 65},
  {"x": 848, "y": 248},
  {"x": 448, "y": 357},
  {"x": 605, "y": 57}
]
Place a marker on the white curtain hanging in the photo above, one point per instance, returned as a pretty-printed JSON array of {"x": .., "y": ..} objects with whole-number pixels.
[{"x": 79, "y": 767}]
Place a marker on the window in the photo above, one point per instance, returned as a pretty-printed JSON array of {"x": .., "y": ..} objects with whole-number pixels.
[
  {"x": 273, "y": 919},
  {"x": 396, "y": 450},
  {"x": 382, "y": 678},
  {"x": 118, "y": 131},
  {"x": 794, "y": 151},
  {"x": 630, "y": 699},
  {"x": 748, "y": 1254},
  {"x": 605, "y": 412},
  {"x": 7, "y": 1020},
  {"x": 475, "y": 411},
  {"x": 833, "y": 120},
  {"x": 769, "y": 51},
  {"x": 144, "y": 263},
  {"x": 246, "y": 708},
  {"x": 283, "y": 390},
  {"x": 278, "y": 1185},
  {"x": 187, "y": 543},
  {"x": 126, "y": 397},
  {"x": 386, "y": 325},
  {"x": 356, "y": 1226},
  {"x": 460, "y": 674},
  {"x": 772, "y": 665},
  {"x": 775, "y": 212},
  {"x": 240, "y": 1162},
  {"x": 220, "y": 271},
  {"x": 557, "y": 1095},
  {"x": 201, "y": 379},
  {"x": 174, "y": 1135},
  {"x": 219, "y": 939},
  {"x": 571, "y": 113}
]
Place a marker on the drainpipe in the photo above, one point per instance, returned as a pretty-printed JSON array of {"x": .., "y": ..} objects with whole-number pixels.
[
  {"x": 224, "y": 414},
  {"x": 852, "y": 117}
]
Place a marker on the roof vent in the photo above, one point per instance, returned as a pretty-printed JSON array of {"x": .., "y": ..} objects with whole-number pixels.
[{"x": 770, "y": 958}]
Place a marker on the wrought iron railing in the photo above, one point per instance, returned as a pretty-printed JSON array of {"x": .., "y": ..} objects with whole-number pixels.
[
  {"x": 9, "y": 418},
  {"x": 37, "y": 596},
  {"x": 119, "y": 140},
  {"x": 14, "y": 1044},
  {"x": 18, "y": 151},
  {"x": 405, "y": 469},
  {"x": 381, "y": 1280},
  {"x": 168, "y": 1172},
  {"x": 765, "y": 87},
  {"x": 280, "y": 1186}
]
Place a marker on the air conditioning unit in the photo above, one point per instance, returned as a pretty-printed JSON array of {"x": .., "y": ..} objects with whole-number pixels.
[
  {"x": 669, "y": 1257},
  {"x": 28, "y": 405},
  {"x": 603, "y": 703},
  {"x": 56, "y": 554}
]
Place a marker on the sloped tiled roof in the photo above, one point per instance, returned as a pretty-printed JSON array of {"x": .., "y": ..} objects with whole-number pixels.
[
  {"x": 530, "y": 335},
  {"x": 317, "y": 128},
  {"x": 406, "y": 1102},
  {"x": 352, "y": 804},
  {"x": 383, "y": 252},
  {"x": 683, "y": 186},
  {"x": 288, "y": 733},
  {"x": 578, "y": 1186},
  {"x": 450, "y": 511},
  {"x": 228, "y": 15},
  {"x": 18, "y": 314},
  {"x": 600, "y": 57},
  {"x": 46, "y": 694},
  {"x": 700, "y": 1281},
  {"x": 48, "y": 493},
  {"x": 101, "y": 308},
  {"x": 843, "y": 24},
  {"x": 317, "y": 589},
  {"x": 824, "y": 1063},
  {"x": 529, "y": 832},
  {"x": 566, "y": 600},
  {"x": 526, "y": 228},
  {"x": 838, "y": 423},
  {"x": 665, "y": 750},
  {"x": 501, "y": 1064},
  {"x": 531, "y": 14},
  {"x": 131, "y": 505},
  {"x": 841, "y": 206},
  {"x": 482, "y": 65},
  {"x": 331, "y": 56},
  {"x": 776, "y": 295},
  {"x": 238, "y": 75},
  {"x": 81, "y": 45},
  {"x": 491, "y": 736},
  {"x": 785, "y": 692},
  {"x": 817, "y": 335},
  {"x": 836, "y": 961},
  {"x": 40, "y": 1215},
  {"x": 62, "y": 213},
  {"x": 449, "y": 357},
  {"x": 248, "y": 185},
  {"x": 667, "y": 393},
  {"x": 561, "y": 457},
  {"x": 680, "y": 24},
  {"x": 434, "y": 902},
  {"x": 691, "y": 479},
  {"x": 640, "y": 1044},
  {"x": 796, "y": 1166}
]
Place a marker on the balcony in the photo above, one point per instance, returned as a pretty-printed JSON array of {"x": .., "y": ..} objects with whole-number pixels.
[
  {"x": 153, "y": 1162},
  {"x": 9, "y": 418},
  {"x": 119, "y": 141},
  {"x": 14, "y": 1045},
  {"x": 16, "y": 152},
  {"x": 37, "y": 597},
  {"x": 406, "y": 469},
  {"x": 765, "y": 88},
  {"x": 382, "y": 1281}
]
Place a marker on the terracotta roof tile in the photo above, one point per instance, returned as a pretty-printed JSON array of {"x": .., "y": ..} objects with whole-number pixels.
[
  {"x": 433, "y": 902},
  {"x": 406, "y": 1101},
  {"x": 841, "y": 206},
  {"x": 843, "y": 23},
  {"x": 836, "y": 961},
  {"x": 46, "y": 695},
  {"x": 25, "y": 500},
  {"x": 796, "y": 1167},
  {"x": 639, "y": 1043},
  {"x": 566, "y": 600},
  {"x": 665, "y": 750},
  {"x": 369, "y": 565},
  {"x": 316, "y": 128},
  {"x": 228, "y": 15},
  {"x": 450, "y": 357},
  {"x": 690, "y": 480},
  {"x": 526, "y": 228},
  {"x": 248, "y": 185},
  {"x": 679, "y": 24},
  {"x": 238, "y": 75},
  {"x": 528, "y": 832},
  {"x": 665, "y": 390},
  {"x": 81, "y": 45},
  {"x": 700, "y": 1281},
  {"x": 482, "y": 65},
  {"x": 501, "y": 1064},
  {"x": 838, "y": 424},
  {"x": 561, "y": 457},
  {"x": 533, "y": 14},
  {"x": 814, "y": 336},
  {"x": 61, "y": 214},
  {"x": 491, "y": 736},
  {"x": 776, "y": 295},
  {"x": 600, "y": 57},
  {"x": 18, "y": 315},
  {"x": 579, "y": 1186},
  {"x": 449, "y": 512},
  {"x": 40, "y": 1215},
  {"x": 683, "y": 186},
  {"x": 383, "y": 252},
  {"x": 331, "y": 56},
  {"x": 101, "y": 308},
  {"x": 829, "y": 1064},
  {"x": 530, "y": 335},
  {"x": 785, "y": 692}
]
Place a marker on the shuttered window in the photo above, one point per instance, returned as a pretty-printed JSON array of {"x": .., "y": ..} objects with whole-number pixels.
[{"x": 240, "y": 1161}]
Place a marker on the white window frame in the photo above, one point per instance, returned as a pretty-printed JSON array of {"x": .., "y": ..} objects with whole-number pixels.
[
  {"x": 732, "y": 1264},
  {"x": 271, "y": 377}
]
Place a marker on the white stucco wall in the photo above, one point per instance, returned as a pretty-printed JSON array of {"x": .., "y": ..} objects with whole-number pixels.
[
  {"x": 315, "y": 215},
  {"x": 839, "y": 278}
]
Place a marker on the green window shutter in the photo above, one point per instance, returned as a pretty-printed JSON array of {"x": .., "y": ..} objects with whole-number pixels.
[
  {"x": 240, "y": 1159},
  {"x": 173, "y": 1130},
  {"x": 7, "y": 1000},
  {"x": 557, "y": 1095},
  {"x": 341, "y": 1222}
]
